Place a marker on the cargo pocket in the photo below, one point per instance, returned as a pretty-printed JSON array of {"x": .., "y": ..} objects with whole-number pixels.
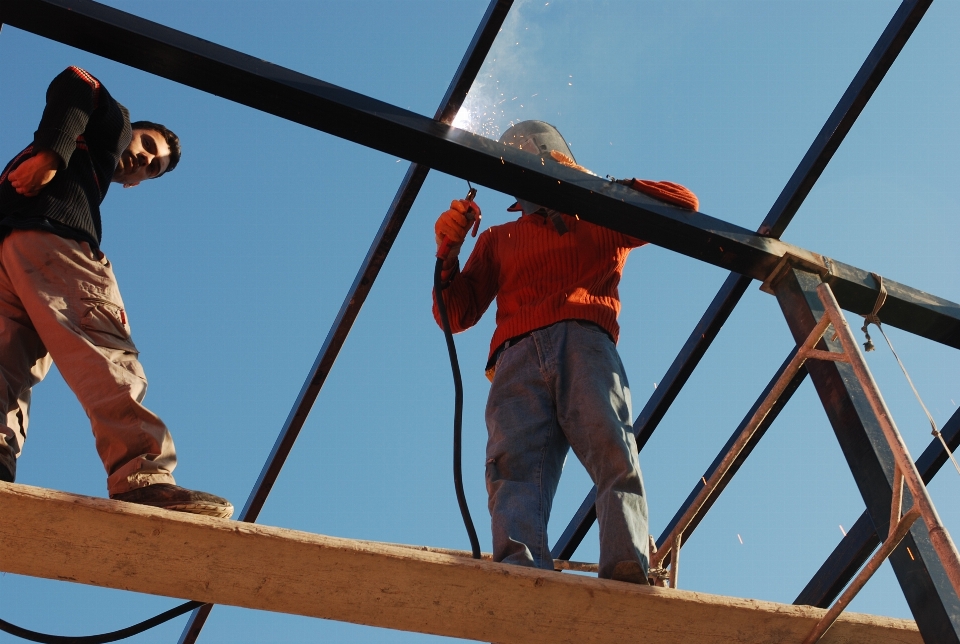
[{"x": 105, "y": 323}]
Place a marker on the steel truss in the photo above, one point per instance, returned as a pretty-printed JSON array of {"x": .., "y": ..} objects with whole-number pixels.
[{"x": 805, "y": 283}]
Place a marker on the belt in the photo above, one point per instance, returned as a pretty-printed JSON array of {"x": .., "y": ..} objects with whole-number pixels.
[{"x": 517, "y": 338}]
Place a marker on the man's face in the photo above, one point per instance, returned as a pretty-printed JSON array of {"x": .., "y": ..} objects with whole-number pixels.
[{"x": 147, "y": 157}]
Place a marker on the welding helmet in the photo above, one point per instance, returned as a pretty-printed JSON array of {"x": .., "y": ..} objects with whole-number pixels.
[{"x": 537, "y": 138}]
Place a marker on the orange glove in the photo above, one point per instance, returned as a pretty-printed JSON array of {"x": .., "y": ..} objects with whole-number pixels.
[
  {"x": 672, "y": 193},
  {"x": 452, "y": 226},
  {"x": 563, "y": 159}
]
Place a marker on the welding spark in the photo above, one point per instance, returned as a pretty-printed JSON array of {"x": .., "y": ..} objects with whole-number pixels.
[
  {"x": 740, "y": 538},
  {"x": 842, "y": 531}
]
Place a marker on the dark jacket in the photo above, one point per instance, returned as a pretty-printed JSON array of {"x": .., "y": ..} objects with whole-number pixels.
[{"x": 88, "y": 130}]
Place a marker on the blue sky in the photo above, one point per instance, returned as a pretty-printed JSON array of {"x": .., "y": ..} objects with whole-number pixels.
[{"x": 234, "y": 266}]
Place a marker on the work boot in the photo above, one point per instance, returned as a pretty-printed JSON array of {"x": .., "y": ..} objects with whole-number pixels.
[
  {"x": 629, "y": 571},
  {"x": 5, "y": 474},
  {"x": 180, "y": 499}
]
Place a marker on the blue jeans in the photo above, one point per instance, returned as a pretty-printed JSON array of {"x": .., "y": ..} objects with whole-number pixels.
[{"x": 563, "y": 386}]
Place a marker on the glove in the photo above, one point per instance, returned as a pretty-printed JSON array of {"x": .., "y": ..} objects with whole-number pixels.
[
  {"x": 452, "y": 226},
  {"x": 563, "y": 159},
  {"x": 672, "y": 193}
]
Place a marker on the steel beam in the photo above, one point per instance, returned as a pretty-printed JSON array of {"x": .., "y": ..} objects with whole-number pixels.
[
  {"x": 369, "y": 270},
  {"x": 844, "y": 115},
  {"x": 928, "y": 592},
  {"x": 831, "y": 135},
  {"x": 390, "y": 129},
  {"x": 771, "y": 415},
  {"x": 861, "y": 540}
]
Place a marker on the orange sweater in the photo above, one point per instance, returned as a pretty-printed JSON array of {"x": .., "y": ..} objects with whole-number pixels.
[{"x": 540, "y": 277}]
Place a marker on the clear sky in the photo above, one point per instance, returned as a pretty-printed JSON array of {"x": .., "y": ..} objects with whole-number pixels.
[{"x": 234, "y": 266}]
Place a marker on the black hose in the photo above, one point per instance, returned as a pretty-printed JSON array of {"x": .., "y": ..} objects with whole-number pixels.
[
  {"x": 457, "y": 413},
  {"x": 123, "y": 633}
]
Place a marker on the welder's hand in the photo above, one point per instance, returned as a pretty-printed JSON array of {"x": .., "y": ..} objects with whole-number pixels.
[
  {"x": 672, "y": 193},
  {"x": 563, "y": 159},
  {"x": 452, "y": 226},
  {"x": 33, "y": 174}
]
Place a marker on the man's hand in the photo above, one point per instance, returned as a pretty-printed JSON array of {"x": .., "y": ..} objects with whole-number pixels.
[
  {"x": 452, "y": 226},
  {"x": 33, "y": 174},
  {"x": 672, "y": 193}
]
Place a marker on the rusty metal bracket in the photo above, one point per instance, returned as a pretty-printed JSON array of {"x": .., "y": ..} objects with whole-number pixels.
[{"x": 821, "y": 267}]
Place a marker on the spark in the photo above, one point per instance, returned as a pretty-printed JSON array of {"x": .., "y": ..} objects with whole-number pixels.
[
  {"x": 844, "y": 532},
  {"x": 740, "y": 538},
  {"x": 954, "y": 404},
  {"x": 910, "y": 553},
  {"x": 704, "y": 480}
]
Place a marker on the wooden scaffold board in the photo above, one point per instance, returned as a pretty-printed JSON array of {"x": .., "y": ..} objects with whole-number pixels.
[{"x": 118, "y": 545}]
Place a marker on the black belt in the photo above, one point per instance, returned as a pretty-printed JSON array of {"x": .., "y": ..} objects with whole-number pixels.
[{"x": 517, "y": 338}]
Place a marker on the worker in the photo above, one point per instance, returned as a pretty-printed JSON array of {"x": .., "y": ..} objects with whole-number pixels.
[
  {"x": 59, "y": 299},
  {"x": 556, "y": 377}
]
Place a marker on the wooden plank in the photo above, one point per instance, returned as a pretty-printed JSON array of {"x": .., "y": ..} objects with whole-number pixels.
[{"x": 118, "y": 545}]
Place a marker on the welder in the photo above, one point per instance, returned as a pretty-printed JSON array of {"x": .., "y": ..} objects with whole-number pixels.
[
  {"x": 556, "y": 378},
  {"x": 59, "y": 299}
]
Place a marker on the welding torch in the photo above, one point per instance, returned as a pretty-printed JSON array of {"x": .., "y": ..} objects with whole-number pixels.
[{"x": 447, "y": 243}]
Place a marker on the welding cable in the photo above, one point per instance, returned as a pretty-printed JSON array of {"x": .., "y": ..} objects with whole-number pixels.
[
  {"x": 458, "y": 410},
  {"x": 123, "y": 633}
]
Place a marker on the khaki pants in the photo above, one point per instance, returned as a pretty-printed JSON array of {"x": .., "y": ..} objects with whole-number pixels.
[{"x": 59, "y": 302}]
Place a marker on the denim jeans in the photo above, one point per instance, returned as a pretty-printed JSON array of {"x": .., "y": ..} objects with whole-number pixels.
[{"x": 563, "y": 386}]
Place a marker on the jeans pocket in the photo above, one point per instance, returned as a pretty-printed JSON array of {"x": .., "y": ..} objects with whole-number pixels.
[
  {"x": 105, "y": 323},
  {"x": 593, "y": 327}
]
